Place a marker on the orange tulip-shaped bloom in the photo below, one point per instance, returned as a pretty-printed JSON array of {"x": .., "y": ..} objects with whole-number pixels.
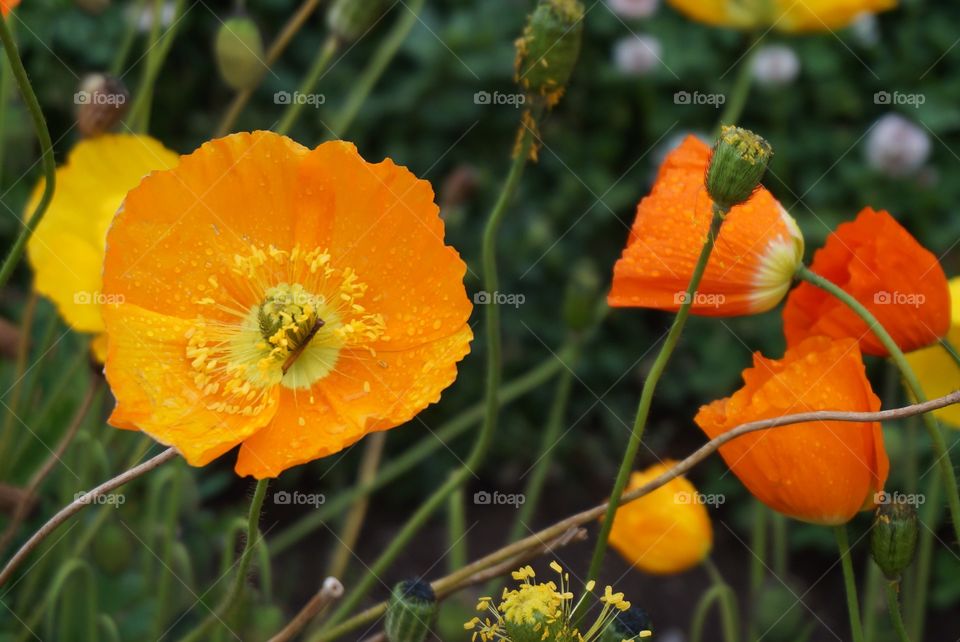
[
  {"x": 666, "y": 531},
  {"x": 882, "y": 266},
  {"x": 822, "y": 472},
  {"x": 286, "y": 299},
  {"x": 755, "y": 256}
]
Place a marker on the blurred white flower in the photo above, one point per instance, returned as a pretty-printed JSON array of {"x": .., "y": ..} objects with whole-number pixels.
[
  {"x": 897, "y": 147},
  {"x": 775, "y": 65},
  {"x": 634, "y": 8},
  {"x": 866, "y": 29},
  {"x": 144, "y": 18},
  {"x": 637, "y": 55}
]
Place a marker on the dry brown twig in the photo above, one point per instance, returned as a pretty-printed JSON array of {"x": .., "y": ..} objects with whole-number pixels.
[{"x": 331, "y": 590}]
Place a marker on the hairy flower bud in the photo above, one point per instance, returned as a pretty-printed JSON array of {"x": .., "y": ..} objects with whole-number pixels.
[
  {"x": 412, "y": 608},
  {"x": 101, "y": 101},
  {"x": 893, "y": 540},
  {"x": 239, "y": 49},
  {"x": 350, "y": 19},
  {"x": 737, "y": 166},
  {"x": 549, "y": 47}
]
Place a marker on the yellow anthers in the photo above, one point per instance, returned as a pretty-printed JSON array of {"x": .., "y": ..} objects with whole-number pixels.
[{"x": 523, "y": 574}]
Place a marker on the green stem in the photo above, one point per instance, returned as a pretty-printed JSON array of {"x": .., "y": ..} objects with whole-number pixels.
[
  {"x": 871, "y": 599},
  {"x": 129, "y": 36},
  {"x": 491, "y": 397},
  {"x": 893, "y": 603},
  {"x": 139, "y": 117},
  {"x": 422, "y": 450},
  {"x": 740, "y": 91},
  {"x": 850, "y": 583},
  {"x": 293, "y": 110},
  {"x": 698, "y": 622},
  {"x": 457, "y": 555},
  {"x": 951, "y": 350},
  {"x": 6, "y": 76},
  {"x": 929, "y": 519},
  {"x": 360, "y": 90},
  {"x": 781, "y": 553},
  {"x": 728, "y": 603},
  {"x": 232, "y": 598},
  {"x": 758, "y": 561},
  {"x": 646, "y": 396},
  {"x": 940, "y": 451},
  {"x": 46, "y": 148}
]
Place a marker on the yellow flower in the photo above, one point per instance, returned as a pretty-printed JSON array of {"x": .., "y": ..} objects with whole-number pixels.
[
  {"x": 67, "y": 248},
  {"x": 938, "y": 372},
  {"x": 666, "y": 531},
  {"x": 783, "y": 15}
]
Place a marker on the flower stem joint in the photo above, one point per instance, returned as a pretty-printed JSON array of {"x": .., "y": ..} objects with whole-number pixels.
[
  {"x": 548, "y": 49},
  {"x": 737, "y": 165},
  {"x": 893, "y": 539},
  {"x": 411, "y": 611}
]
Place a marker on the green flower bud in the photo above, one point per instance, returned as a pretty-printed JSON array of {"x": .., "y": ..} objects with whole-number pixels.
[
  {"x": 101, "y": 102},
  {"x": 580, "y": 302},
  {"x": 239, "y": 50},
  {"x": 549, "y": 47},
  {"x": 350, "y": 19},
  {"x": 737, "y": 166},
  {"x": 633, "y": 625},
  {"x": 893, "y": 540},
  {"x": 411, "y": 611}
]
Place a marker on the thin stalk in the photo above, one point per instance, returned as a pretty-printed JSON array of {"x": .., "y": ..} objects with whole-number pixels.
[
  {"x": 950, "y": 349},
  {"x": 940, "y": 451},
  {"x": 19, "y": 373},
  {"x": 140, "y": 110},
  {"x": 46, "y": 150},
  {"x": 893, "y": 604},
  {"x": 491, "y": 283},
  {"x": 781, "y": 554},
  {"x": 372, "y": 453},
  {"x": 457, "y": 554},
  {"x": 728, "y": 603},
  {"x": 232, "y": 598},
  {"x": 740, "y": 91},
  {"x": 290, "y": 29},
  {"x": 6, "y": 78},
  {"x": 920, "y": 587},
  {"x": 698, "y": 622},
  {"x": 129, "y": 36},
  {"x": 871, "y": 599},
  {"x": 646, "y": 395},
  {"x": 309, "y": 84},
  {"x": 758, "y": 561},
  {"x": 850, "y": 583},
  {"x": 360, "y": 90}
]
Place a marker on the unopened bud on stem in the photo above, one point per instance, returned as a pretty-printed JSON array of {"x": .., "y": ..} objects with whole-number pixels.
[
  {"x": 737, "y": 166},
  {"x": 549, "y": 47},
  {"x": 410, "y": 612},
  {"x": 893, "y": 540}
]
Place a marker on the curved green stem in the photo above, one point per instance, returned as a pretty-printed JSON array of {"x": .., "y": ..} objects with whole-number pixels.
[
  {"x": 46, "y": 149},
  {"x": 850, "y": 583},
  {"x": 728, "y": 603},
  {"x": 893, "y": 604},
  {"x": 378, "y": 63},
  {"x": 940, "y": 451},
  {"x": 232, "y": 598},
  {"x": 698, "y": 622},
  {"x": 646, "y": 396},
  {"x": 737, "y": 99},
  {"x": 309, "y": 84},
  {"x": 491, "y": 396}
]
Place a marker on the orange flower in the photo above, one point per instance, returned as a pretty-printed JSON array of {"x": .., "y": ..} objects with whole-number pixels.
[
  {"x": 286, "y": 299},
  {"x": 6, "y": 6},
  {"x": 822, "y": 472},
  {"x": 666, "y": 531},
  {"x": 756, "y": 254},
  {"x": 881, "y": 265}
]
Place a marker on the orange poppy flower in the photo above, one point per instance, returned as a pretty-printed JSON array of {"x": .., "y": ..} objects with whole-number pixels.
[
  {"x": 6, "y": 6},
  {"x": 822, "y": 472},
  {"x": 756, "y": 253},
  {"x": 286, "y": 299},
  {"x": 881, "y": 265},
  {"x": 666, "y": 531}
]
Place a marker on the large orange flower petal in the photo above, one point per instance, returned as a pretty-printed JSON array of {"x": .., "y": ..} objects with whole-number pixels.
[
  {"x": 150, "y": 375},
  {"x": 179, "y": 232},
  {"x": 666, "y": 531},
  {"x": 821, "y": 472},
  {"x": 756, "y": 254},
  {"x": 878, "y": 262}
]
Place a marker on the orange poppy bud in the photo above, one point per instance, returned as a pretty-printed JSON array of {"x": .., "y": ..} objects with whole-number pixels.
[
  {"x": 822, "y": 472},
  {"x": 666, "y": 531},
  {"x": 881, "y": 265},
  {"x": 755, "y": 256}
]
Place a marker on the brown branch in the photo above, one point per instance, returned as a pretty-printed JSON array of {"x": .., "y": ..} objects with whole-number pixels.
[
  {"x": 331, "y": 590},
  {"x": 78, "y": 505}
]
